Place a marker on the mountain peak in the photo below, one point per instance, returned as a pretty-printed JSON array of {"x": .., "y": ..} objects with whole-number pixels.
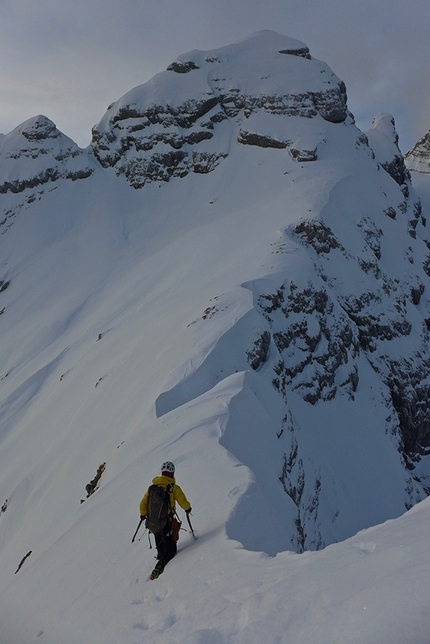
[
  {"x": 36, "y": 152},
  {"x": 38, "y": 128},
  {"x": 258, "y": 46},
  {"x": 239, "y": 94}
]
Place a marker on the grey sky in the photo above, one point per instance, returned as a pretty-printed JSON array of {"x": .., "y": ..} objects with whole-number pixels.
[{"x": 68, "y": 59}]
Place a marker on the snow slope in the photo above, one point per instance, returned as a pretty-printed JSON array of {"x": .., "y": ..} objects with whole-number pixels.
[{"x": 217, "y": 316}]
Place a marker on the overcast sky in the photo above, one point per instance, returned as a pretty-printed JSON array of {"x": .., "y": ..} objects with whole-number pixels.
[{"x": 69, "y": 59}]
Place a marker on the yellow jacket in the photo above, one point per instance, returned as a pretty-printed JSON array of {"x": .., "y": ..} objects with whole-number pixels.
[{"x": 176, "y": 494}]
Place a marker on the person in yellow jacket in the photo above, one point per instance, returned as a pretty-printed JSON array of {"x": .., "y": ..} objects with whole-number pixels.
[{"x": 164, "y": 540}]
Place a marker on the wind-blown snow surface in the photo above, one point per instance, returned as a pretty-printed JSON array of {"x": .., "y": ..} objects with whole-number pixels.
[{"x": 131, "y": 321}]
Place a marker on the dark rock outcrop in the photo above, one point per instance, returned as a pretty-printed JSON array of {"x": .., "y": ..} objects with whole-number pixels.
[
  {"x": 258, "y": 355},
  {"x": 316, "y": 342}
]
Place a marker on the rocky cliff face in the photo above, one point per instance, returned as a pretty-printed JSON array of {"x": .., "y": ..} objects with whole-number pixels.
[
  {"x": 418, "y": 158},
  {"x": 321, "y": 328}
]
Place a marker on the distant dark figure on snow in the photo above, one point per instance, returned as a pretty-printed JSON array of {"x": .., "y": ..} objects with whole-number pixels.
[{"x": 158, "y": 508}]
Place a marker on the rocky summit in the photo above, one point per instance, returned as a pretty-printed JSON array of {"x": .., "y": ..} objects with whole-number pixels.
[{"x": 184, "y": 119}]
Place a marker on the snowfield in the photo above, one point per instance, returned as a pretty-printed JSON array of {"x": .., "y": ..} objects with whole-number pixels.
[{"x": 200, "y": 308}]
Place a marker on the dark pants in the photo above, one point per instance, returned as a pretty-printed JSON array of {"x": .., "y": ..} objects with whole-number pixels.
[{"x": 166, "y": 547}]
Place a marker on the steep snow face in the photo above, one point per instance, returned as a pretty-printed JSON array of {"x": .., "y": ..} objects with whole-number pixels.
[
  {"x": 187, "y": 118},
  {"x": 384, "y": 140},
  {"x": 257, "y": 311},
  {"x": 418, "y": 158}
]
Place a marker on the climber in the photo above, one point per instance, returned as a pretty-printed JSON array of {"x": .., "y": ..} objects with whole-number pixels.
[{"x": 158, "y": 508}]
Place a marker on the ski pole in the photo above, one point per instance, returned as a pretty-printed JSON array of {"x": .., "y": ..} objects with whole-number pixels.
[
  {"x": 137, "y": 529},
  {"x": 189, "y": 523}
]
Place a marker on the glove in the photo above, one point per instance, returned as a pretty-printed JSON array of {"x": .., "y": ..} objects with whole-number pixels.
[
  {"x": 142, "y": 517},
  {"x": 188, "y": 511}
]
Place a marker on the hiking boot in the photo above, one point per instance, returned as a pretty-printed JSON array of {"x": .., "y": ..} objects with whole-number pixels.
[{"x": 157, "y": 571}]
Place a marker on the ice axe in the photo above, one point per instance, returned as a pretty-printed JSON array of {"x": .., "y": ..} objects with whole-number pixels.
[
  {"x": 137, "y": 529},
  {"x": 191, "y": 527}
]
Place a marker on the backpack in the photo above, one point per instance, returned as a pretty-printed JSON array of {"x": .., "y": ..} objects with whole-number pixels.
[{"x": 158, "y": 508}]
